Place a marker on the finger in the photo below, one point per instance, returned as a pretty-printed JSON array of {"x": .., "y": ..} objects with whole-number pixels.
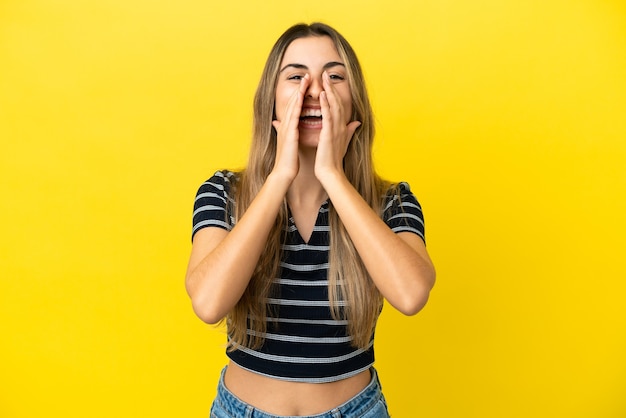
[
  {"x": 336, "y": 111},
  {"x": 294, "y": 106},
  {"x": 330, "y": 89},
  {"x": 297, "y": 98},
  {"x": 293, "y": 99},
  {"x": 304, "y": 84},
  {"x": 289, "y": 108},
  {"x": 324, "y": 103}
]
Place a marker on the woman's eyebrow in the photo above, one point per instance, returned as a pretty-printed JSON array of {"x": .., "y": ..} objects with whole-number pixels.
[{"x": 304, "y": 67}]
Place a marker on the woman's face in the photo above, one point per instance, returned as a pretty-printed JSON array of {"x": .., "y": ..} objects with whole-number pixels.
[{"x": 313, "y": 55}]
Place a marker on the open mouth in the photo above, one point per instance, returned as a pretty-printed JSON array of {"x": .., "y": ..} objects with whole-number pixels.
[{"x": 311, "y": 117}]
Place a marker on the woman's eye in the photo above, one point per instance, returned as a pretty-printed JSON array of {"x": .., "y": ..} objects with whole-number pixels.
[
  {"x": 296, "y": 77},
  {"x": 336, "y": 77}
]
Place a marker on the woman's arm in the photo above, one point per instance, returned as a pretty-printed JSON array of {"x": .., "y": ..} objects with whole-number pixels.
[
  {"x": 222, "y": 262},
  {"x": 398, "y": 263}
]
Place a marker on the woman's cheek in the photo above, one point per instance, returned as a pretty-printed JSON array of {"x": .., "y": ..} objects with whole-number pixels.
[{"x": 282, "y": 101}]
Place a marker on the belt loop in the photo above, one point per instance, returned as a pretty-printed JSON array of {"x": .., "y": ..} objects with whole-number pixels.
[
  {"x": 336, "y": 413},
  {"x": 249, "y": 411}
]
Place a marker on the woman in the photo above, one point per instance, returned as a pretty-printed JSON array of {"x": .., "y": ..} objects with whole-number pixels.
[{"x": 298, "y": 251}]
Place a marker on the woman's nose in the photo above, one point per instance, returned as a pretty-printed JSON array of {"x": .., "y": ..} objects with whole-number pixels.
[{"x": 315, "y": 88}]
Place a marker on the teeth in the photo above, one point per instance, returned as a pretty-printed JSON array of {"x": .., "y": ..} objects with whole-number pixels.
[{"x": 311, "y": 112}]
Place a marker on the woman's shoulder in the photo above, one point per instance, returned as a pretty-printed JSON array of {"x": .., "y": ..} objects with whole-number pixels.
[
  {"x": 222, "y": 180},
  {"x": 225, "y": 176},
  {"x": 400, "y": 197},
  {"x": 397, "y": 190},
  {"x": 401, "y": 211}
]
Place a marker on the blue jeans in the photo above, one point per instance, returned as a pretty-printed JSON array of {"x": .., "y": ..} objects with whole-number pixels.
[{"x": 369, "y": 403}]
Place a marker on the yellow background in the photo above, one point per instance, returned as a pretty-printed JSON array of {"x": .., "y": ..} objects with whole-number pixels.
[{"x": 507, "y": 117}]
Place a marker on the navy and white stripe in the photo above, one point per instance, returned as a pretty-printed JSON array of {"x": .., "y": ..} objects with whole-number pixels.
[
  {"x": 403, "y": 213},
  {"x": 211, "y": 202},
  {"x": 304, "y": 343}
]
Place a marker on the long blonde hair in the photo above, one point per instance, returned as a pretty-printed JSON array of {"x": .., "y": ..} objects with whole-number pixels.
[{"x": 348, "y": 279}]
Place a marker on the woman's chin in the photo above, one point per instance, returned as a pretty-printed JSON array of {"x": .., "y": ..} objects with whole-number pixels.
[{"x": 309, "y": 139}]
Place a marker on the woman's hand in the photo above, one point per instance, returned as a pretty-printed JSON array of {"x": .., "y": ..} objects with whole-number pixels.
[
  {"x": 335, "y": 135},
  {"x": 287, "y": 133}
]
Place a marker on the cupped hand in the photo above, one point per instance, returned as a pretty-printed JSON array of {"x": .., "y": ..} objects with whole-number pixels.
[
  {"x": 287, "y": 133},
  {"x": 335, "y": 135}
]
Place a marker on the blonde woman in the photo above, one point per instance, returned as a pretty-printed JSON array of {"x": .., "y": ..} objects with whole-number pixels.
[{"x": 297, "y": 251}]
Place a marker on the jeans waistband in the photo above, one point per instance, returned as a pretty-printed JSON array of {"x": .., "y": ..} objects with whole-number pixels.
[{"x": 356, "y": 406}]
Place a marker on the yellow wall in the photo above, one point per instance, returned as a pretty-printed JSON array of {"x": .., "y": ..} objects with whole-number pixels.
[{"x": 507, "y": 117}]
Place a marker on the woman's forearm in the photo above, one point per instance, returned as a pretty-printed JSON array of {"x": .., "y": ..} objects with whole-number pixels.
[
  {"x": 398, "y": 263},
  {"x": 222, "y": 263}
]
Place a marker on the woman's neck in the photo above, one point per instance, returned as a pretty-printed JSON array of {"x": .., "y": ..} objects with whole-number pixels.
[{"x": 306, "y": 189}]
